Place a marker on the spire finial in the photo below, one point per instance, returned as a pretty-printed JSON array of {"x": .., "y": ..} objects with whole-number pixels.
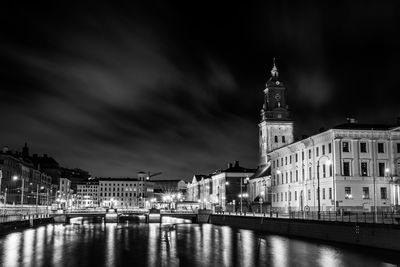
[{"x": 274, "y": 71}]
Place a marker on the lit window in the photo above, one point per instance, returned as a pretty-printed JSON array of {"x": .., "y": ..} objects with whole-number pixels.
[
  {"x": 383, "y": 193},
  {"x": 345, "y": 147},
  {"x": 347, "y": 193},
  {"x": 365, "y": 192},
  {"x": 363, "y": 147}
]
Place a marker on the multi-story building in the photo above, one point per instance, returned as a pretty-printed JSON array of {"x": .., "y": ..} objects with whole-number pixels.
[
  {"x": 87, "y": 194},
  {"x": 222, "y": 189},
  {"x": 64, "y": 193},
  {"x": 125, "y": 192},
  {"x": 353, "y": 166},
  {"x": 20, "y": 179}
]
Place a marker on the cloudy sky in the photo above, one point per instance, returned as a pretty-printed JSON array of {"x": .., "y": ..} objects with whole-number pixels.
[{"x": 115, "y": 89}]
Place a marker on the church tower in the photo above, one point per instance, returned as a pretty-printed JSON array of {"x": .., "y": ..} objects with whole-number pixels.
[{"x": 276, "y": 126}]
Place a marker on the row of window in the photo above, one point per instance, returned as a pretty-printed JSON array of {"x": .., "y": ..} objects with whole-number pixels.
[
  {"x": 287, "y": 177},
  {"x": 122, "y": 194},
  {"x": 364, "y": 169},
  {"x": 283, "y": 138},
  {"x": 288, "y": 159},
  {"x": 287, "y": 196},
  {"x": 111, "y": 184},
  {"x": 380, "y": 147}
]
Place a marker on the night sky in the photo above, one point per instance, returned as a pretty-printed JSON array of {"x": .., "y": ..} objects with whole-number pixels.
[{"x": 178, "y": 88}]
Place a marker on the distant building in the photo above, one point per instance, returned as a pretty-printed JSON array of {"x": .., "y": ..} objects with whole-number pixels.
[
  {"x": 221, "y": 190},
  {"x": 125, "y": 192},
  {"x": 87, "y": 194},
  {"x": 76, "y": 176},
  {"x": 64, "y": 193},
  {"x": 19, "y": 172}
]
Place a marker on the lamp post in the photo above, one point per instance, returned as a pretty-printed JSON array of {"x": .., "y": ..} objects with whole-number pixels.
[
  {"x": 241, "y": 192},
  {"x": 15, "y": 177},
  {"x": 329, "y": 162},
  {"x": 387, "y": 171}
]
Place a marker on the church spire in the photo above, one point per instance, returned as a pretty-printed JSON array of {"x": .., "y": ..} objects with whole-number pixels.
[{"x": 274, "y": 71}]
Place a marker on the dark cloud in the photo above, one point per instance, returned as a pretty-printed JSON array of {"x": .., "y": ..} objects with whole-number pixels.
[{"x": 116, "y": 89}]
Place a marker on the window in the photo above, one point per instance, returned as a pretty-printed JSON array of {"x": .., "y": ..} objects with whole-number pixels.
[
  {"x": 364, "y": 169},
  {"x": 273, "y": 198},
  {"x": 347, "y": 193},
  {"x": 281, "y": 196},
  {"x": 381, "y": 169},
  {"x": 276, "y": 139},
  {"x": 309, "y": 173},
  {"x": 286, "y": 160},
  {"x": 302, "y": 174},
  {"x": 290, "y": 196},
  {"x": 283, "y": 139},
  {"x": 330, "y": 170},
  {"x": 309, "y": 194},
  {"x": 290, "y": 159},
  {"x": 302, "y": 155},
  {"x": 346, "y": 168},
  {"x": 297, "y": 175},
  {"x": 330, "y": 193},
  {"x": 345, "y": 147},
  {"x": 363, "y": 147},
  {"x": 317, "y": 151},
  {"x": 291, "y": 177},
  {"x": 297, "y": 158},
  {"x": 295, "y": 195},
  {"x": 281, "y": 161},
  {"x": 398, "y": 147},
  {"x": 285, "y": 196},
  {"x": 365, "y": 192},
  {"x": 323, "y": 149},
  {"x": 323, "y": 170},
  {"x": 309, "y": 154},
  {"x": 383, "y": 193},
  {"x": 329, "y": 148},
  {"x": 286, "y": 177},
  {"x": 323, "y": 193},
  {"x": 381, "y": 148}
]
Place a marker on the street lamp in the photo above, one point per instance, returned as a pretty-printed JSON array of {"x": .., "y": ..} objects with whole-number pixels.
[
  {"x": 387, "y": 170},
  {"x": 241, "y": 192},
  {"x": 15, "y": 178},
  {"x": 328, "y": 162}
]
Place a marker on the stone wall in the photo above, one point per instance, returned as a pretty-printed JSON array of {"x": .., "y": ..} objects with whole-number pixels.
[{"x": 364, "y": 234}]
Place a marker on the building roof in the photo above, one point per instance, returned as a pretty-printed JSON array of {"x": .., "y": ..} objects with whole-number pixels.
[
  {"x": 237, "y": 168},
  {"x": 117, "y": 179},
  {"x": 362, "y": 126},
  {"x": 262, "y": 171}
]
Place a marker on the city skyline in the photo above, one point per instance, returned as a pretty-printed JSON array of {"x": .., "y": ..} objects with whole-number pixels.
[{"x": 113, "y": 91}]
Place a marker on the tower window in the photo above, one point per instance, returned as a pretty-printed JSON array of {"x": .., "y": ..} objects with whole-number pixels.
[
  {"x": 283, "y": 139},
  {"x": 363, "y": 147},
  {"x": 345, "y": 147},
  {"x": 276, "y": 139},
  {"x": 381, "y": 148}
]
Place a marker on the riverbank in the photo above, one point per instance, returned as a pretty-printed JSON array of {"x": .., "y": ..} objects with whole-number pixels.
[
  {"x": 363, "y": 234},
  {"x": 7, "y": 227}
]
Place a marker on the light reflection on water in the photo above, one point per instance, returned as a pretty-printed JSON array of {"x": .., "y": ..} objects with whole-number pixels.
[{"x": 82, "y": 243}]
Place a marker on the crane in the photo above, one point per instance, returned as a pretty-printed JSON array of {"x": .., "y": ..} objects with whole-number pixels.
[{"x": 151, "y": 175}]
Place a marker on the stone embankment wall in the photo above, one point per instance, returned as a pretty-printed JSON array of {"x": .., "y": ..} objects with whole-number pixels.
[
  {"x": 11, "y": 226},
  {"x": 371, "y": 235}
]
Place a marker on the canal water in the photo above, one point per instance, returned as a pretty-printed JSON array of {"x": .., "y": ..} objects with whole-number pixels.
[{"x": 174, "y": 243}]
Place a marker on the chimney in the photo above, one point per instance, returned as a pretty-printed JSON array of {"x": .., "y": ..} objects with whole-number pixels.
[
  {"x": 229, "y": 165},
  {"x": 236, "y": 163},
  {"x": 5, "y": 149}
]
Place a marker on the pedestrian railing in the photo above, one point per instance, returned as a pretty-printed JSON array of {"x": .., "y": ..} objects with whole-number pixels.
[
  {"x": 380, "y": 217},
  {"x": 22, "y": 217}
]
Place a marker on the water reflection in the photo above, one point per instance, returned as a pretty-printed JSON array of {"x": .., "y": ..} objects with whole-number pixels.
[{"x": 173, "y": 243}]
